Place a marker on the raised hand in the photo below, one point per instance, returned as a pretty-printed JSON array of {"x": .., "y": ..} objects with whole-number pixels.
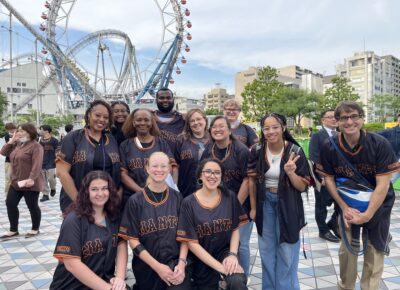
[{"x": 290, "y": 165}]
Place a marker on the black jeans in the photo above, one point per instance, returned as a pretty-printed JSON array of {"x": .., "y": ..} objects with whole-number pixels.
[
  {"x": 322, "y": 200},
  {"x": 31, "y": 199}
]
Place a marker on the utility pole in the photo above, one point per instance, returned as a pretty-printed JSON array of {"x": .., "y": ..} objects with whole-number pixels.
[
  {"x": 37, "y": 86},
  {"x": 11, "y": 72}
]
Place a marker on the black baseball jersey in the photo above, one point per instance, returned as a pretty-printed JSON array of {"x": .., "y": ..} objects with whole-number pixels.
[
  {"x": 94, "y": 244},
  {"x": 187, "y": 155},
  {"x": 134, "y": 158},
  {"x": 212, "y": 228},
  {"x": 79, "y": 152},
  {"x": 235, "y": 164},
  {"x": 49, "y": 152},
  {"x": 245, "y": 134},
  {"x": 154, "y": 225},
  {"x": 373, "y": 156},
  {"x": 170, "y": 130}
]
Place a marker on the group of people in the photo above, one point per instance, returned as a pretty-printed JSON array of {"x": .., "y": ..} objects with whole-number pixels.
[{"x": 185, "y": 196}]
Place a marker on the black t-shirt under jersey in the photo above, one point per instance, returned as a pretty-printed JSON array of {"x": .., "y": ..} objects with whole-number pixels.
[
  {"x": 154, "y": 225},
  {"x": 212, "y": 228}
]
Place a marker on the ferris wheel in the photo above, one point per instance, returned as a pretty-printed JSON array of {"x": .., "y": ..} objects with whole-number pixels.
[{"x": 113, "y": 71}]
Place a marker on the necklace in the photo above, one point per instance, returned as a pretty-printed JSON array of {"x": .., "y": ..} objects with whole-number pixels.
[
  {"x": 153, "y": 195},
  {"x": 272, "y": 158}
]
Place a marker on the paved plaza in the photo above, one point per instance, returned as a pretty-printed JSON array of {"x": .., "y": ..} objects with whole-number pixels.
[{"x": 28, "y": 263}]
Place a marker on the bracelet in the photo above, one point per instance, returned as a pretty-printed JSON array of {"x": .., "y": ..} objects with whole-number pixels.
[
  {"x": 138, "y": 249},
  {"x": 183, "y": 260},
  {"x": 232, "y": 254}
]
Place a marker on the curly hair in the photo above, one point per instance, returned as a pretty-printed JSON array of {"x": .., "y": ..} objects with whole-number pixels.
[
  {"x": 99, "y": 103},
  {"x": 213, "y": 160},
  {"x": 129, "y": 129},
  {"x": 83, "y": 207}
]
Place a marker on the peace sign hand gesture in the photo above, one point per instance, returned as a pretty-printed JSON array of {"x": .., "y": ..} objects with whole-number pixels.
[{"x": 290, "y": 165}]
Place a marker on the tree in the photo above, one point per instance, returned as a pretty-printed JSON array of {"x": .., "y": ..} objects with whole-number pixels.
[
  {"x": 380, "y": 105},
  {"x": 3, "y": 109},
  {"x": 297, "y": 103},
  {"x": 340, "y": 91},
  {"x": 212, "y": 112},
  {"x": 259, "y": 95},
  {"x": 385, "y": 107}
]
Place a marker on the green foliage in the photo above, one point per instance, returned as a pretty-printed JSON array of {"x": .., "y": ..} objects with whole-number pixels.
[
  {"x": 385, "y": 107},
  {"x": 340, "y": 91},
  {"x": 3, "y": 108},
  {"x": 260, "y": 94},
  {"x": 54, "y": 121},
  {"x": 212, "y": 112},
  {"x": 295, "y": 103},
  {"x": 370, "y": 127}
]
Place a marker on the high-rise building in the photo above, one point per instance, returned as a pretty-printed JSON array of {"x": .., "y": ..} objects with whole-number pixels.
[
  {"x": 371, "y": 75},
  {"x": 216, "y": 98},
  {"x": 291, "y": 76}
]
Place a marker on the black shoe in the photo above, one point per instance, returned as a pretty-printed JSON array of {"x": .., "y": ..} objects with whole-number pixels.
[
  {"x": 335, "y": 231},
  {"x": 329, "y": 237},
  {"x": 44, "y": 198},
  {"x": 53, "y": 192}
]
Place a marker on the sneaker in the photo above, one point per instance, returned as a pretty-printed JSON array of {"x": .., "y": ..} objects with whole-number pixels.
[
  {"x": 53, "y": 192},
  {"x": 44, "y": 198}
]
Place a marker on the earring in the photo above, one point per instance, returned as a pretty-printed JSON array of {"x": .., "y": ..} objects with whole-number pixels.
[{"x": 200, "y": 182}]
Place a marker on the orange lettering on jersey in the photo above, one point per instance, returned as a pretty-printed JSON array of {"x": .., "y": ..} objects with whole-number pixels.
[
  {"x": 186, "y": 154},
  {"x": 92, "y": 247},
  {"x": 168, "y": 135},
  {"x": 63, "y": 249},
  {"x": 79, "y": 156}
]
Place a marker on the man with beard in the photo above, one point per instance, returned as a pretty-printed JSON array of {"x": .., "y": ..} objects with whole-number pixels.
[{"x": 169, "y": 121}]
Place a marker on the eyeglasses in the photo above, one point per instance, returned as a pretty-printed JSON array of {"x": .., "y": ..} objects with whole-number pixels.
[
  {"x": 267, "y": 129},
  {"x": 354, "y": 117},
  {"x": 209, "y": 173},
  {"x": 232, "y": 110}
]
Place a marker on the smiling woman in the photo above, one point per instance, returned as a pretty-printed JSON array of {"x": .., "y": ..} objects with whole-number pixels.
[
  {"x": 87, "y": 149},
  {"x": 143, "y": 139}
]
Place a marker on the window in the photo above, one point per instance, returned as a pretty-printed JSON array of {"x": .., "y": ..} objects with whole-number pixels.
[
  {"x": 14, "y": 105},
  {"x": 24, "y": 84},
  {"x": 29, "y": 106},
  {"x": 18, "y": 84}
]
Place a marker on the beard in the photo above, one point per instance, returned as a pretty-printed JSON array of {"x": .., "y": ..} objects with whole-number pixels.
[{"x": 163, "y": 109}]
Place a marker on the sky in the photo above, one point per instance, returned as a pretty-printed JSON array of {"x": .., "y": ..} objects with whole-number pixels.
[{"x": 231, "y": 35}]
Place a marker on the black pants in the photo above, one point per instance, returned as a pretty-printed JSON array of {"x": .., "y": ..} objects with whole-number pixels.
[
  {"x": 322, "y": 200},
  {"x": 31, "y": 199},
  {"x": 236, "y": 281}
]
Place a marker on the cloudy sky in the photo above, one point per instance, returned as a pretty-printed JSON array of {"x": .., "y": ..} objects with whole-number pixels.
[{"x": 231, "y": 35}]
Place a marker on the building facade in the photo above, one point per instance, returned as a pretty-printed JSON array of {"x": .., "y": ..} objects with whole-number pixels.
[
  {"x": 21, "y": 95},
  {"x": 216, "y": 98},
  {"x": 370, "y": 75}
]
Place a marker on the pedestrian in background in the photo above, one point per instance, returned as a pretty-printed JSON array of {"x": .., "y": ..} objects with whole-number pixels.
[
  {"x": 26, "y": 158},
  {"x": 50, "y": 145}
]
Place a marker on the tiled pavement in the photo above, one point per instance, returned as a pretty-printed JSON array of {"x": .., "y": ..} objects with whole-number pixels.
[{"x": 29, "y": 264}]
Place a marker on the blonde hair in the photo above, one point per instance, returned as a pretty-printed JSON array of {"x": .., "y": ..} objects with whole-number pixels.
[
  {"x": 232, "y": 103},
  {"x": 157, "y": 154}
]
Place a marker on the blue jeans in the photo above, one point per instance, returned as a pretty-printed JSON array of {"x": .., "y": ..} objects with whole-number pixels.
[
  {"x": 244, "y": 247},
  {"x": 279, "y": 260},
  {"x": 395, "y": 176}
]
